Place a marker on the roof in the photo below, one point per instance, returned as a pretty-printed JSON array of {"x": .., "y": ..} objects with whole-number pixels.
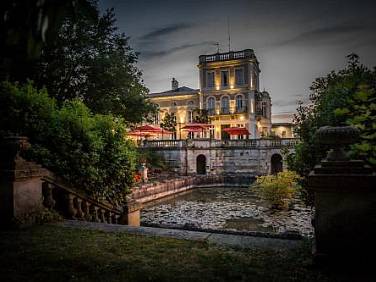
[{"x": 184, "y": 90}]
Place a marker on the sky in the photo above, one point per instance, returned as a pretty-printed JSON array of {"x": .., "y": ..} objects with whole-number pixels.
[{"x": 295, "y": 41}]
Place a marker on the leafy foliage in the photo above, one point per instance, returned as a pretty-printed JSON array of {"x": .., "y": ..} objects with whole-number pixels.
[
  {"x": 87, "y": 150},
  {"x": 278, "y": 189},
  {"x": 92, "y": 61},
  {"x": 169, "y": 122},
  {"x": 346, "y": 97},
  {"x": 200, "y": 116},
  {"x": 76, "y": 53}
]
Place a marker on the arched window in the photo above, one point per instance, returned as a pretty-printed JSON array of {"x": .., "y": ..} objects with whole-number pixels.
[
  {"x": 225, "y": 105},
  {"x": 239, "y": 104},
  {"x": 211, "y": 105}
]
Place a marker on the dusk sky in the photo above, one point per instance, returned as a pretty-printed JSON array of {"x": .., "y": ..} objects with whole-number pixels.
[{"x": 294, "y": 41}]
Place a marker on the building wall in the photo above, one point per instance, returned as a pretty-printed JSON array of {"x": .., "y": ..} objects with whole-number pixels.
[
  {"x": 249, "y": 115},
  {"x": 283, "y": 131},
  {"x": 220, "y": 161}
]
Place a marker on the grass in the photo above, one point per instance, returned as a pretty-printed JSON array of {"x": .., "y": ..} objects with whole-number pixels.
[{"x": 51, "y": 253}]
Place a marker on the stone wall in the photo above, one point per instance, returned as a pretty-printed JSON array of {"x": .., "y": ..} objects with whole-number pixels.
[
  {"x": 252, "y": 160},
  {"x": 153, "y": 191}
]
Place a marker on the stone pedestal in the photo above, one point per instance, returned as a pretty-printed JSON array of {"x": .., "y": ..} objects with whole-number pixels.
[
  {"x": 20, "y": 181},
  {"x": 131, "y": 215},
  {"x": 345, "y": 209}
]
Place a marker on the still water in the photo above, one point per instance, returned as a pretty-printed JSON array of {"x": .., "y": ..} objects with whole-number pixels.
[{"x": 226, "y": 209}]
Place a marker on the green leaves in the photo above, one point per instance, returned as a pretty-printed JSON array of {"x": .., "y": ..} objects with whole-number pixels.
[
  {"x": 91, "y": 61},
  {"x": 346, "y": 97},
  {"x": 88, "y": 150}
]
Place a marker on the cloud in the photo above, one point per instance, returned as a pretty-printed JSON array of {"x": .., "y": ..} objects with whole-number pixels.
[
  {"x": 153, "y": 54},
  {"x": 283, "y": 117},
  {"x": 324, "y": 34},
  {"x": 155, "y": 34}
]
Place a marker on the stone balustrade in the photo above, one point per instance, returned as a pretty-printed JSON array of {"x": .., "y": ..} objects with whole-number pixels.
[
  {"x": 153, "y": 191},
  {"x": 212, "y": 143},
  {"x": 74, "y": 205}
]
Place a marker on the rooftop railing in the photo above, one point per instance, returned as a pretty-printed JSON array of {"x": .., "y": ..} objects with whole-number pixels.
[{"x": 232, "y": 55}]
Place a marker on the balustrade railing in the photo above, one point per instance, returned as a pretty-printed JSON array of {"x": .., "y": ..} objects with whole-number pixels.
[
  {"x": 73, "y": 205},
  {"x": 213, "y": 143},
  {"x": 248, "y": 53}
]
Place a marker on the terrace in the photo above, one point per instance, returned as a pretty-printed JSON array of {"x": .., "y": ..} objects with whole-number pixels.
[{"x": 212, "y": 143}]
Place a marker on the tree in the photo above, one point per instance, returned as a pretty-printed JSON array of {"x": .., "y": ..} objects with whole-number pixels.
[
  {"x": 90, "y": 60},
  {"x": 346, "y": 97},
  {"x": 200, "y": 116},
  {"x": 26, "y": 27},
  {"x": 169, "y": 122}
]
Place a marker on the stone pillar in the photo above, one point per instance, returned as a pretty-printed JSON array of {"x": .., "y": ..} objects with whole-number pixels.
[
  {"x": 20, "y": 181},
  {"x": 345, "y": 201},
  {"x": 131, "y": 214}
]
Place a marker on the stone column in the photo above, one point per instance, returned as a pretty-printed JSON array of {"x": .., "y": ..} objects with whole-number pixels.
[
  {"x": 345, "y": 201},
  {"x": 20, "y": 181},
  {"x": 131, "y": 213}
]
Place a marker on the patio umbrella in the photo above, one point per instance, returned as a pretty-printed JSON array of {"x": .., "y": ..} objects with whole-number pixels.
[{"x": 236, "y": 130}]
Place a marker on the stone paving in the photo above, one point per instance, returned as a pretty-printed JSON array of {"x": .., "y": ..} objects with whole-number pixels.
[
  {"x": 225, "y": 240},
  {"x": 228, "y": 209}
]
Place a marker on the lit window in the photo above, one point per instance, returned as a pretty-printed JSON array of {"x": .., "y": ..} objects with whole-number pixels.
[{"x": 224, "y": 78}]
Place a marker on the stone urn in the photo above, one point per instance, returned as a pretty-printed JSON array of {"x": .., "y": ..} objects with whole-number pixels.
[{"x": 337, "y": 138}]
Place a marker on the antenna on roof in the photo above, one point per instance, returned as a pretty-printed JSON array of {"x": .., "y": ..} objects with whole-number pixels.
[
  {"x": 228, "y": 32},
  {"x": 217, "y": 44}
]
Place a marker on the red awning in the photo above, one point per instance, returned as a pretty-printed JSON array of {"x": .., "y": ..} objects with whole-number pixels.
[
  {"x": 150, "y": 129},
  {"x": 236, "y": 130}
]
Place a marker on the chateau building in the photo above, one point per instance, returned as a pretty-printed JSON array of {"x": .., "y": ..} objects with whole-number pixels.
[{"x": 229, "y": 96}]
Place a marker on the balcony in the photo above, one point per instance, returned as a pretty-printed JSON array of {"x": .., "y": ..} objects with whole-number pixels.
[
  {"x": 241, "y": 110},
  {"x": 225, "y": 111},
  {"x": 245, "y": 54},
  {"x": 213, "y": 143}
]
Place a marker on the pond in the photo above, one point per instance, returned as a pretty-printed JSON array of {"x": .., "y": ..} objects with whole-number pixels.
[{"x": 226, "y": 208}]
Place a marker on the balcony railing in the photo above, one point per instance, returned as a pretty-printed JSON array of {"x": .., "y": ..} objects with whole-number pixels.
[
  {"x": 225, "y": 111},
  {"x": 241, "y": 110},
  {"x": 213, "y": 143},
  {"x": 248, "y": 53}
]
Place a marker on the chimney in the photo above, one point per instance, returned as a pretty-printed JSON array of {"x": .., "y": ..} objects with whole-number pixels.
[{"x": 174, "y": 84}]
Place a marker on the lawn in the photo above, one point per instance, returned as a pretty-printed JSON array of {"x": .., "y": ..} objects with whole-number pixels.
[{"x": 51, "y": 253}]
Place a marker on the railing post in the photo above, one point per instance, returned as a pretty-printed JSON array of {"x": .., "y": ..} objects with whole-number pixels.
[
  {"x": 20, "y": 181},
  {"x": 344, "y": 200}
]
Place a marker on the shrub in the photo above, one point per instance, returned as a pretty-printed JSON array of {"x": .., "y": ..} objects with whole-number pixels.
[
  {"x": 88, "y": 150},
  {"x": 278, "y": 189}
]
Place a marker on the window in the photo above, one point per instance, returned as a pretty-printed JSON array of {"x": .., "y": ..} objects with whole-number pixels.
[
  {"x": 239, "y": 104},
  {"x": 239, "y": 76},
  {"x": 225, "y": 105},
  {"x": 190, "y": 116},
  {"x": 263, "y": 109},
  {"x": 190, "y": 104},
  {"x": 211, "y": 106},
  {"x": 210, "y": 78},
  {"x": 224, "y": 78}
]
